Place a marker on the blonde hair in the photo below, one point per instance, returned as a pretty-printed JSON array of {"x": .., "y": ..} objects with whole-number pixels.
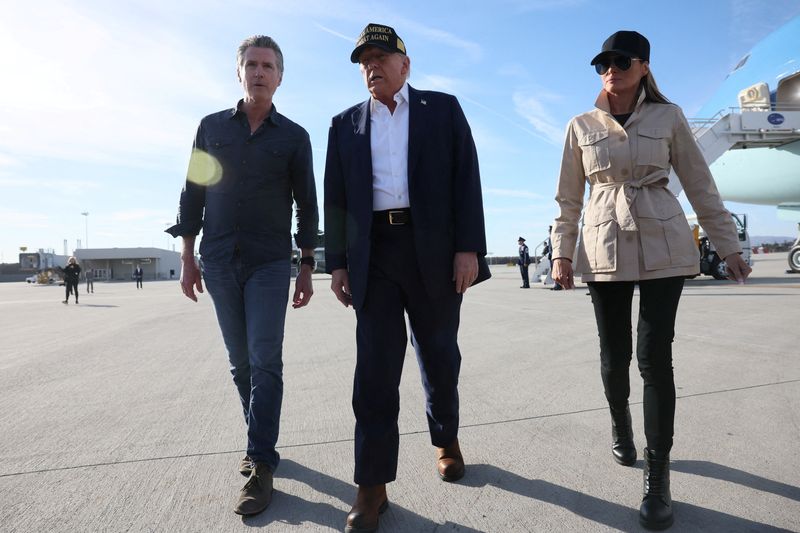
[
  {"x": 72, "y": 259},
  {"x": 651, "y": 92}
]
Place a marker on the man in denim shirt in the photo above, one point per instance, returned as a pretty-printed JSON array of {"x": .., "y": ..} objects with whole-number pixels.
[{"x": 249, "y": 165}]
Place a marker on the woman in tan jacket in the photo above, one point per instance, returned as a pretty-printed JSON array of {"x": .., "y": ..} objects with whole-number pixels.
[{"x": 635, "y": 233}]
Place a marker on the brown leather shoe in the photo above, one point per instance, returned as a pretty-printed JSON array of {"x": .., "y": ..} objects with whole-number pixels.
[
  {"x": 256, "y": 495},
  {"x": 371, "y": 502},
  {"x": 246, "y": 466},
  {"x": 450, "y": 462}
]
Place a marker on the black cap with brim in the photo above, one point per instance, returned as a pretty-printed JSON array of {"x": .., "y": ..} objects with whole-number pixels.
[
  {"x": 380, "y": 36},
  {"x": 625, "y": 43}
]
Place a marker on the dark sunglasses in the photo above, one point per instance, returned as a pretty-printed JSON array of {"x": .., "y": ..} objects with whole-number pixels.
[{"x": 620, "y": 62}]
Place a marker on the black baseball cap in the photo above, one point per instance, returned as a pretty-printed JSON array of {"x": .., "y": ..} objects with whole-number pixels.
[
  {"x": 383, "y": 37},
  {"x": 625, "y": 43}
]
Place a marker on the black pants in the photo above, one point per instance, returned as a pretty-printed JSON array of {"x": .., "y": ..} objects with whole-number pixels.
[
  {"x": 395, "y": 287},
  {"x": 138, "y": 283},
  {"x": 523, "y": 269},
  {"x": 89, "y": 286},
  {"x": 71, "y": 286},
  {"x": 658, "y": 305}
]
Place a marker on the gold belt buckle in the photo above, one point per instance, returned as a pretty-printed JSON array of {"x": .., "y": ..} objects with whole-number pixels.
[{"x": 391, "y": 218}]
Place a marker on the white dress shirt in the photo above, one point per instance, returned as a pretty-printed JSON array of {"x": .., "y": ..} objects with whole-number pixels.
[{"x": 389, "y": 145}]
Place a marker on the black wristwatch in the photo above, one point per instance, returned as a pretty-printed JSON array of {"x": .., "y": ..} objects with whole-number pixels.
[{"x": 310, "y": 261}]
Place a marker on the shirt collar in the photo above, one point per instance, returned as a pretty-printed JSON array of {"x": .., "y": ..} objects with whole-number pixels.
[
  {"x": 274, "y": 117},
  {"x": 399, "y": 97},
  {"x": 602, "y": 101}
]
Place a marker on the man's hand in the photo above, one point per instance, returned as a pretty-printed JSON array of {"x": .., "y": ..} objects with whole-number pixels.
[
  {"x": 562, "y": 273},
  {"x": 465, "y": 270},
  {"x": 340, "y": 285},
  {"x": 303, "y": 289},
  {"x": 190, "y": 278},
  {"x": 738, "y": 270}
]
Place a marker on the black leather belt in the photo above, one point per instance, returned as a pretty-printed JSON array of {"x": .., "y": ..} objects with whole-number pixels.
[{"x": 392, "y": 217}]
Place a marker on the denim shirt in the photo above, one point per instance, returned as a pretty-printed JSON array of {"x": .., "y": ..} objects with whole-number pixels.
[{"x": 240, "y": 189}]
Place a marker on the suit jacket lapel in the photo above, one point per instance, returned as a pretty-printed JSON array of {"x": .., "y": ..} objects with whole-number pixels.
[
  {"x": 416, "y": 121},
  {"x": 362, "y": 153}
]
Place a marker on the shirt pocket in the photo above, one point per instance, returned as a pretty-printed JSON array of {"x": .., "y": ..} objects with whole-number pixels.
[
  {"x": 273, "y": 163},
  {"x": 594, "y": 148},
  {"x": 599, "y": 241},
  {"x": 666, "y": 239},
  {"x": 653, "y": 147},
  {"x": 217, "y": 162}
]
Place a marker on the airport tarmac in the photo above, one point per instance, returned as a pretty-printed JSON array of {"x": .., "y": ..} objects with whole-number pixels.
[{"x": 119, "y": 414}]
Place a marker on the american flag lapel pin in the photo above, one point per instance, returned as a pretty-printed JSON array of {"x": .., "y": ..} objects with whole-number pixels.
[{"x": 423, "y": 102}]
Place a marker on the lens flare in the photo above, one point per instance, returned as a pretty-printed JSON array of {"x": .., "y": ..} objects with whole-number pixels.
[{"x": 204, "y": 169}]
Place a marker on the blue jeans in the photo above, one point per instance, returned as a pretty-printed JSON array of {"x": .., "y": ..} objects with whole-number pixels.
[{"x": 251, "y": 310}]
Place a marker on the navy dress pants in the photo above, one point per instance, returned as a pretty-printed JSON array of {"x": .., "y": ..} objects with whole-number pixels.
[{"x": 394, "y": 288}]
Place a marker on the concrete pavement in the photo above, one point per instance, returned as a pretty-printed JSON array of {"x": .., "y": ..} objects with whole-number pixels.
[{"x": 119, "y": 414}]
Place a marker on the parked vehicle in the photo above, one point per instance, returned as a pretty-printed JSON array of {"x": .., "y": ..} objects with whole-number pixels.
[{"x": 712, "y": 264}]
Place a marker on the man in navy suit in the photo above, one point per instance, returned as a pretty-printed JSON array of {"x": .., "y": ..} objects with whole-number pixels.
[{"x": 404, "y": 233}]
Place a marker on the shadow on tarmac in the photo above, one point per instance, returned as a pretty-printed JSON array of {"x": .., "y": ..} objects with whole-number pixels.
[
  {"x": 687, "y": 516},
  {"x": 710, "y": 282},
  {"x": 290, "y": 509},
  {"x": 732, "y": 475}
]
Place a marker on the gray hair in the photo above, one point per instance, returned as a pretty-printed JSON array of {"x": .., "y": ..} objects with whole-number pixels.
[{"x": 259, "y": 41}]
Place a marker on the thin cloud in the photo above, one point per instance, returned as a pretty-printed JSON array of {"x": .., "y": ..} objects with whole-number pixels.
[
  {"x": 334, "y": 33},
  {"x": 15, "y": 219},
  {"x": 513, "y": 70},
  {"x": 459, "y": 88},
  {"x": 115, "y": 76},
  {"x": 472, "y": 49},
  {"x": 535, "y": 109}
]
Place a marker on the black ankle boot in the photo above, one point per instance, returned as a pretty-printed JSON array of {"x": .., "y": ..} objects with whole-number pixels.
[
  {"x": 656, "y": 509},
  {"x": 622, "y": 446}
]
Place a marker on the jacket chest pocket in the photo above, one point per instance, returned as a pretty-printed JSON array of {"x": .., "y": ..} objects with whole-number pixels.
[
  {"x": 653, "y": 147},
  {"x": 594, "y": 147}
]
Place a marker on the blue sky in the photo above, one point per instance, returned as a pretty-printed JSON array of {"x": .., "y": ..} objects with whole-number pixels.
[{"x": 99, "y": 101}]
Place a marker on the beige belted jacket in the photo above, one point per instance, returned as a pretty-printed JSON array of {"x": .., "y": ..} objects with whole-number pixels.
[{"x": 633, "y": 227}]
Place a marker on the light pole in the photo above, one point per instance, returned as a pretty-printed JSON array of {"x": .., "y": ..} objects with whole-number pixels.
[{"x": 86, "y": 214}]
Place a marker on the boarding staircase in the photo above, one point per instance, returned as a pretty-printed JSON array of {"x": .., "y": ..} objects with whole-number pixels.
[{"x": 740, "y": 128}]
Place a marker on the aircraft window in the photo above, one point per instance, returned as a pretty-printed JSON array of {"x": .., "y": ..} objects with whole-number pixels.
[{"x": 741, "y": 63}]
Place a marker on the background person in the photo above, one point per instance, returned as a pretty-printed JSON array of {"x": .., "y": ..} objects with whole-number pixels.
[
  {"x": 89, "y": 276},
  {"x": 72, "y": 276},
  {"x": 138, "y": 275},
  {"x": 635, "y": 233},
  {"x": 404, "y": 233},
  {"x": 524, "y": 261},
  {"x": 547, "y": 251}
]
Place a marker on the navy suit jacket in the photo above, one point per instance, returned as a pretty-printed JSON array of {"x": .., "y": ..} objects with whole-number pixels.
[{"x": 443, "y": 184}]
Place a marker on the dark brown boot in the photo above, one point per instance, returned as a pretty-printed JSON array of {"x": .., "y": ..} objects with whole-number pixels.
[
  {"x": 656, "y": 509},
  {"x": 622, "y": 447},
  {"x": 371, "y": 502},
  {"x": 450, "y": 463},
  {"x": 256, "y": 494}
]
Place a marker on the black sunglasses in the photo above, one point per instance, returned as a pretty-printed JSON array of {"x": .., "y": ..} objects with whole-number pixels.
[{"x": 620, "y": 62}]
